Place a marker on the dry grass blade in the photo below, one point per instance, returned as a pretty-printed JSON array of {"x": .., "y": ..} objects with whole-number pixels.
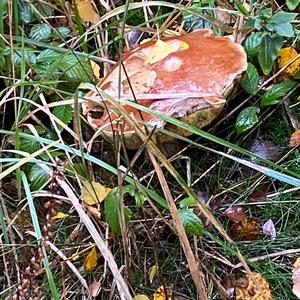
[
  {"x": 197, "y": 275},
  {"x": 122, "y": 287}
]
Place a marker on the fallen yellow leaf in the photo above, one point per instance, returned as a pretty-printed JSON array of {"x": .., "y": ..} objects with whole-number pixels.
[
  {"x": 257, "y": 289},
  {"x": 96, "y": 69},
  {"x": 87, "y": 11},
  {"x": 94, "y": 211},
  {"x": 74, "y": 256},
  {"x": 162, "y": 293},
  {"x": 153, "y": 272},
  {"x": 91, "y": 260},
  {"x": 141, "y": 297},
  {"x": 286, "y": 55},
  {"x": 59, "y": 215},
  {"x": 93, "y": 192}
]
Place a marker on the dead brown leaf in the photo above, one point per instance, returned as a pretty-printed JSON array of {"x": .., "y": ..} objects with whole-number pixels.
[
  {"x": 95, "y": 288},
  {"x": 247, "y": 229},
  {"x": 87, "y": 11}
]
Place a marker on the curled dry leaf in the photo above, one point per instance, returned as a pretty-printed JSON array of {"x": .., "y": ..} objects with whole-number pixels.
[
  {"x": 91, "y": 260},
  {"x": 285, "y": 56},
  {"x": 247, "y": 229},
  {"x": 162, "y": 293},
  {"x": 93, "y": 192},
  {"x": 94, "y": 211},
  {"x": 264, "y": 149},
  {"x": 269, "y": 229},
  {"x": 87, "y": 11},
  {"x": 153, "y": 272},
  {"x": 296, "y": 278},
  {"x": 235, "y": 213},
  {"x": 295, "y": 139},
  {"x": 95, "y": 288},
  {"x": 257, "y": 289}
]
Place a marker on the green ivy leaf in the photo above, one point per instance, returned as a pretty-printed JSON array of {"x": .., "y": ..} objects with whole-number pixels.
[
  {"x": 64, "y": 113},
  {"x": 268, "y": 52},
  {"x": 38, "y": 177},
  {"x": 292, "y": 4},
  {"x": 191, "y": 222},
  {"x": 111, "y": 203},
  {"x": 252, "y": 43},
  {"x": 276, "y": 92},
  {"x": 284, "y": 29},
  {"x": 282, "y": 17},
  {"x": 246, "y": 119},
  {"x": 40, "y": 32},
  {"x": 250, "y": 80}
]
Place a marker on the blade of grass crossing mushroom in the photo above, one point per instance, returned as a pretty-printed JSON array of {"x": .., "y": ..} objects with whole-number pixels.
[
  {"x": 38, "y": 233},
  {"x": 153, "y": 148},
  {"x": 122, "y": 287}
]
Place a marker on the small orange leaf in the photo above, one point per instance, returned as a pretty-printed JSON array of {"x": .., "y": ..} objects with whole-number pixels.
[
  {"x": 295, "y": 139},
  {"x": 286, "y": 55},
  {"x": 296, "y": 278},
  {"x": 91, "y": 260},
  {"x": 246, "y": 230},
  {"x": 257, "y": 289},
  {"x": 162, "y": 293},
  {"x": 153, "y": 272}
]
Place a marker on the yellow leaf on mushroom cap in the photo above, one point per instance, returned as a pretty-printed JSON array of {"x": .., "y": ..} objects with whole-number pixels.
[
  {"x": 285, "y": 56},
  {"x": 162, "y": 49},
  {"x": 91, "y": 260},
  {"x": 87, "y": 11},
  {"x": 93, "y": 192}
]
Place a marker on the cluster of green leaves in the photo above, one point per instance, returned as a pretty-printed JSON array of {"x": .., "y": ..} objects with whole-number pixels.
[
  {"x": 191, "y": 222},
  {"x": 269, "y": 33}
]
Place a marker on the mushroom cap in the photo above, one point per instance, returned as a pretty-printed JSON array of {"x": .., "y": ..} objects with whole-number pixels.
[{"x": 187, "y": 80}]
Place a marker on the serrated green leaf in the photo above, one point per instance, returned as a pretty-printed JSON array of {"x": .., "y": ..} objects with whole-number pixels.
[
  {"x": 40, "y": 32},
  {"x": 282, "y": 17},
  {"x": 29, "y": 55},
  {"x": 111, "y": 203},
  {"x": 250, "y": 80},
  {"x": 47, "y": 56},
  {"x": 64, "y": 31},
  {"x": 246, "y": 119},
  {"x": 76, "y": 68},
  {"x": 191, "y": 222},
  {"x": 252, "y": 43},
  {"x": 292, "y": 4},
  {"x": 268, "y": 52},
  {"x": 64, "y": 113},
  {"x": 26, "y": 13},
  {"x": 276, "y": 92},
  {"x": 38, "y": 177}
]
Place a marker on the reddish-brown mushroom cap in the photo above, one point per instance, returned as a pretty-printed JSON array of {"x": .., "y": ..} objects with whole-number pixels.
[{"x": 193, "y": 77}]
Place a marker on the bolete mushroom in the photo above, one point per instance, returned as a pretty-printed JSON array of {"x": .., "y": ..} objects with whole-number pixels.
[{"x": 187, "y": 77}]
